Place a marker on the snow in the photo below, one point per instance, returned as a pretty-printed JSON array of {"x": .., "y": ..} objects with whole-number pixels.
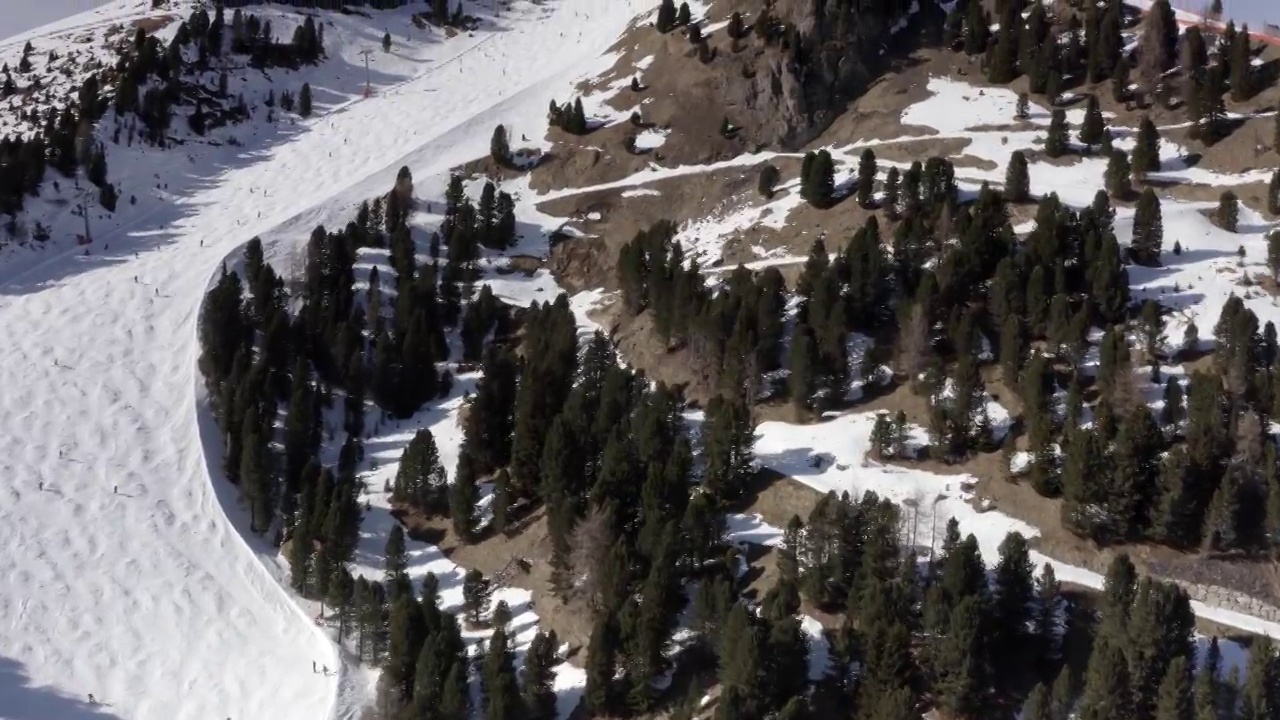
[
  {"x": 840, "y": 445},
  {"x": 23, "y": 15},
  {"x": 157, "y": 599},
  {"x": 751, "y": 529},
  {"x": 651, "y": 139},
  {"x": 819, "y": 648}
]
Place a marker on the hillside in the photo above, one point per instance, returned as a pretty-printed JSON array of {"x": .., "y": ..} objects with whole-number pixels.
[{"x": 618, "y": 361}]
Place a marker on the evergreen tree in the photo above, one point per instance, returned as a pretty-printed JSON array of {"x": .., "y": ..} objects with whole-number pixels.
[
  {"x": 1273, "y": 253},
  {"x": 1273, "y": 194},
  {"x": 1228, "y": 212},
  {"x": 1093, "y": 129},
  {"x": 537, "y": 677},
  {"x": 1055, "y": 143},
  {"x": 1148, "y": 230},
  {"x": 1118, "y": 174},
  {"x": 866, "y": 177},
  {"x": 1017, "y": 183},
  {"x": 499, "y": 149},
  {"x": 1173, "y": 701},
  {"x": 304, "y": 100},
  {"x": 666, "y": 19},
  {"x": 1146, "y": 150},
  {"x": 463, "y": 495}
]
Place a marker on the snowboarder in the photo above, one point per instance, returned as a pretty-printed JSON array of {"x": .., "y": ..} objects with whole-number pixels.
[
  {"x": 313, "y": 666},
  {"x": 41, "y": 486},
  {"x": 114, "y": 488},
  {"x": 91, "y": 700},
  {"x": 157, "y": 292},
  {"x": 326, "y": 669}
]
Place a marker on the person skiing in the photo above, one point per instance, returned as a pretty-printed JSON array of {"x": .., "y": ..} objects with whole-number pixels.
[
  {"x": 91, "y": 700},
  {"x": 313, "y": 666}
]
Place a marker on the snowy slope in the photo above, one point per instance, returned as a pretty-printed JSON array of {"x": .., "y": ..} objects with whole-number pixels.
[
  {"x": 19, "y": 16},
  {"x": 155, "y": 598}
]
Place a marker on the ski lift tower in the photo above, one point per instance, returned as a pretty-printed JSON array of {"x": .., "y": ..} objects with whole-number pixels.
[
  {"x": 87, "y": 237},
  {"x": 367, "y": 88}
]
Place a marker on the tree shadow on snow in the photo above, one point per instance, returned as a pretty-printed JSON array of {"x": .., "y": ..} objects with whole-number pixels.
[{"x": 20, "y": 700}]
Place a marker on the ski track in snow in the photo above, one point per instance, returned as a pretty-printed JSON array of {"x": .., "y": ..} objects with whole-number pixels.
[{"x": 156, "y": 598}]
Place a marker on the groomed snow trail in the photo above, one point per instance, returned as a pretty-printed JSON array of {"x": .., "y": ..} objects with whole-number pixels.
[{"x": 153, "y": 597}]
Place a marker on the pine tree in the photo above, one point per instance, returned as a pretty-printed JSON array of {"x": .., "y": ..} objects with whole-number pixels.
[
  {"x": 1014, "y": 591},
  {"x": 1148, "y": 230},
  {"x": 1173, "y": 701},
  {"x": 1273, "y": 194},
  {"x": 803, "y": 364},
  {"x": 959, "y": 662},
  {"x": 819, "y": 179},
  {"x": 891, "y": 188},
  {"x": 1241, "y": 67},
  {"x": 1118, "y": 174},
  {"x": 1055, "y": 143},
  {"x": 1017, "y": 183},
  {"x": 463, "y": 495},
  {"x": 602, "y": 653},
  {"x": 499, "y": 149},
  {"x": 537, "y": 677},
  {"x": 1093, "y": 129},
  {"x": 768, "y": 180},
  {"x": 304, "y": 100},
  {"x": 475, "y": 596},
  {"x": 501, "y": 691},
  {"x": 1146, "y": 150},
  {"x": 666, "y": 19},
  {"x": 866, "y": 177},
  {"x": 396, "y": 563},
  {"x": 1228, "y": 212}
]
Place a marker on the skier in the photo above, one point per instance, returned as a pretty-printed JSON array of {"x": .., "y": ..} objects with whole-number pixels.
[
  {"x": 157, "y": 292},
  {"x": 114, "y": 488},
  {"x": 41, "y": 486},
  {"x": 326, "y": 670},
  {"x": 91, "y": 700},
  {"x": 313, "y": 666}
]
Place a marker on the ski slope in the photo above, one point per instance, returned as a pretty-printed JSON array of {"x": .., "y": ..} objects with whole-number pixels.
[
  {"x": 20, "y": 16},
  {"x": 129, "y": 572}
]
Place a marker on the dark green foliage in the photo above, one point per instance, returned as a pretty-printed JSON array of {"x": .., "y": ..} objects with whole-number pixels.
[
  {"x": 304, "y": 100},
  {"x": 866, "y": 182},
  {"x": 1055, "y": 143},
  {"x": 421, "y": 480},
  {"x": 1227, "y": 214},
  {"x": 1148, "y": 230},
  {"x": 1118, "y": 174},
  {"x": 767, "y": 181},
  {"x": 817, "y": 178},
  {"x": 1146, "y": 151},
  {"x": 499, "y": 148},
  {"x": 1017, "y": 184},
  {"x": 1093, "y": 129}
]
